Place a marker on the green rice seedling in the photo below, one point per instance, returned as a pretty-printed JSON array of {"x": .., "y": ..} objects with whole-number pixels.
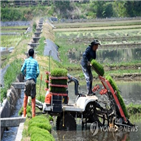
[
  {"x": 59, "y": 72},
  {"x": 41, "y": 122},
  {"x": 114, "y": 86},
  {"x": 97, "y": 67},
  {"x": 59, "y": 81},
  {"x": 58, "y": 90},
  {"x": 38, "y": 134}
]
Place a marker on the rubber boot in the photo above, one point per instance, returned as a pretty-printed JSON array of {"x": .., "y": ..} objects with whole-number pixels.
[
  {"x": 25, "y": 105},
  {"x": 33, "y": 107}
]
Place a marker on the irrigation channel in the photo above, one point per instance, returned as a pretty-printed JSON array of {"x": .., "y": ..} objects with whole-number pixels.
[
  {"x": 11, "y": 132},
  {"x": 130, "y": 93}
]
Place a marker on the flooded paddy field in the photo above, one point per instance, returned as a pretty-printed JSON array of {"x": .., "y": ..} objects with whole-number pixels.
[{"x": 131, "y": 93}]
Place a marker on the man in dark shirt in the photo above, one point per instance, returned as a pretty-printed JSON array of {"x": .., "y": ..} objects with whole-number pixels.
[{"x": 88, "y": 55}]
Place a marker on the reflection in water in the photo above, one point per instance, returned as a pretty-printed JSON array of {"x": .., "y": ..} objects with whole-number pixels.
[
  {"x": 111, "y": 55},
  {"x": 119, "y": 55},
  {"x": 86, "y": 135},
  {"x": 130, "y": 91}
]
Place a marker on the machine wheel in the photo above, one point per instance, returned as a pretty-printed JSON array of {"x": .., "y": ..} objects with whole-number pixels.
[
  {"x": 93, "y": 114},
  {"x": 66, "y": 122}
]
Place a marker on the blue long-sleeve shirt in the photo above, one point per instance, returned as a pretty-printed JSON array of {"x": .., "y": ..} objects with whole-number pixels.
[
  {"x": 88, "y": 55},
  {"x": 30, "y": 69}
]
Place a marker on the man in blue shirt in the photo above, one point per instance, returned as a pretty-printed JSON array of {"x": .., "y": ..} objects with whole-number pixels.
[
  {"x": 88, "y": 55},
  {"x": 30, "y": 70}
]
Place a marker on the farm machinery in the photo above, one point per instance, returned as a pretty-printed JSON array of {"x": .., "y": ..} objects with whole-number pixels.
[{"x": 88, "y": 108}]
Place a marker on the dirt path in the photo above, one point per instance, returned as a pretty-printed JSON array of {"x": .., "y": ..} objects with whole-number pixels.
[{"x": 97, "y": 28}]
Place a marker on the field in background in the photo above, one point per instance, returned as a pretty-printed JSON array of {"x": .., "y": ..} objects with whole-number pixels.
[{"x": 120, "y": 43}]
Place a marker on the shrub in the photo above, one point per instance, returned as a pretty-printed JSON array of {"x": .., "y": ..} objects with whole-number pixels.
[
  {"x": 97, "y": 67},
  {"x": 114, "y": 86}
]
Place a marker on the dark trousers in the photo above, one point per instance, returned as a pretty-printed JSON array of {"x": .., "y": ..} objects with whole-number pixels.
[{"x": 89, "y": 78}]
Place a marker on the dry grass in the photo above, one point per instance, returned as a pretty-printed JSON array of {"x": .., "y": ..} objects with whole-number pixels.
[{"x": 47, "y": 32}]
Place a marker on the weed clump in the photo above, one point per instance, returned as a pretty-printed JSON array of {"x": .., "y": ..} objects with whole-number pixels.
[
  {"x": 97, "y": 67},
  {"x": 114, "y": 86}
]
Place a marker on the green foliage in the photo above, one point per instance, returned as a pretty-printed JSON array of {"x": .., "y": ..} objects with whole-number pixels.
[
  {"x": 133, "y": 8},
  {"x": 41, "y": 98},
  {"x": 39, "y": 129},
  {"x": 3, "y": 92},
  {"x": 12, "y": 14},
  {"x": 97, "y": 67},
  {"x": 40, "y": 48},
  {"x": 115, "y": 88},
  {"x": 10, "y": 76},
  {"x": 134, "y": 108},
  {"x": 34, "y": 26},
  {"x": 28, "y": 111},
  {"x": 58, "y": 72}
]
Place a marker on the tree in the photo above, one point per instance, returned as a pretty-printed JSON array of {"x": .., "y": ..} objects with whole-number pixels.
[
  {"x": 133, "y": 8},
  {"x": 99, "y": 9},
  {"x": 108, "y": 10}
]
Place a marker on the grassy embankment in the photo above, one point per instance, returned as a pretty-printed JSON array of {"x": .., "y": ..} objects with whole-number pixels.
[
  {"x": 72, "y": 44},
  {"x": 14, "y": 69}
]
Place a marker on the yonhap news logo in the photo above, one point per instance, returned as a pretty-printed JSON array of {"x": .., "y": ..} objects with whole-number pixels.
[{"x": 94, "y": 128}]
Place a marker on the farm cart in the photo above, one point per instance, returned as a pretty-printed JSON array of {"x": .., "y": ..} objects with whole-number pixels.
[{"x": 86, "y": 107}]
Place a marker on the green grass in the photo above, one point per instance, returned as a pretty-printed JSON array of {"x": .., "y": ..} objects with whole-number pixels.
[
  {"x": 40, "y": 48},
  {"x": 3, "y": 93},
  {"x": 97, "y": 67},
  {"x": 10, "y": 40},
  {"x": 14, "y": 27},
  {"x": 115, "y": 88},
  {"x": 12, "y": 72}
]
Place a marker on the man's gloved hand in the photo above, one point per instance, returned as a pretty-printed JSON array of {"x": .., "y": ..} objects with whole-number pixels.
[{"x": 89, "y": 64}]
